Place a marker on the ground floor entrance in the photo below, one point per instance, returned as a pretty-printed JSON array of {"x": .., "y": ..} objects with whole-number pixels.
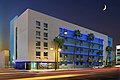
[{"x": 35, "y": 65}]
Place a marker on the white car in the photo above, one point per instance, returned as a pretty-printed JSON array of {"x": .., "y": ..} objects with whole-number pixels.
[
  {"x": 98, "y": 66},
  {"x": 117, "y": 65},
  {"x": 49, "y": 67}
]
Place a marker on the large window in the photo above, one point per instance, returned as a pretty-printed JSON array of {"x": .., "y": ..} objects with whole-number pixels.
[
  {"x": 37, "y": 33},
  {"x": 45, "y": 53},
  {"x": 16, "y": 41},
  {"x": 45, "y": 44},
  {"x": 37, "y": 23},
  {"x": 118, "y": 49},
  {"x": 37, "y": 43},
  {"x": 45, "y": 25},
  {"x": 38, "y": 53},
  {"x": 45, "y": 34}
]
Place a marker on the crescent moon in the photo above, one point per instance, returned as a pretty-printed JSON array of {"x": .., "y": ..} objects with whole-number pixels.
[{"x": 105, "y": 7}]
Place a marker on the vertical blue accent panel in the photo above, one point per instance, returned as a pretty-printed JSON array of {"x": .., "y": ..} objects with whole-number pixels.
[
  {"x": 12, "y": 38},
  {"x": 110, "y": 44},
  {"x": 109, "y": 41}
]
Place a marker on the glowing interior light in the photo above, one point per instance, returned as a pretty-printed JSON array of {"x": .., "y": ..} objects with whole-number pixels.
[
  {"x": 59, "y": 50},
  {"x": 118, "y": 46},
  {"x": 51, "y": 48}
]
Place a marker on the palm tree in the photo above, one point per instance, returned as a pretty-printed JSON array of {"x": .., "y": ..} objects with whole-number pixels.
[
  {"x": 58, "y": 44},
  {"x": 108, "y": 49},
  {"x": 76, "y": 35},
  {"x": 90, "y": 38},
  {"x": 59, "y": 41},
  {"x": 99, "y": 53}
]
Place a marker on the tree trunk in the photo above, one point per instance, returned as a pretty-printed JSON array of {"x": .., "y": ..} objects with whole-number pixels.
[
  {"x": 55, "y": 57},
  {"x": 106, "y": 58},
  {"x": 74, "y": 54},
  {"x": 88, "y": 51}
]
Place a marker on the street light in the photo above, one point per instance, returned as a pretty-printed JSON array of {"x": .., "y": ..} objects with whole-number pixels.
[
  {"x": 59, "y": 49},
  {"x": 56, "y": 57}
]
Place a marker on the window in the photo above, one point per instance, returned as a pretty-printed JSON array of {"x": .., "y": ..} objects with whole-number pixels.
[
  {"x": 77, "y": 63},
  {"x": 81, "y": 56},
  {"x": 37, "y": 23},
  {"x": 66, "y": 39},
  {"x": 37, "y": 43},
  {"x": 77, "y": 49},
  {"x": 45, "y": 44},
  {"x": 38, "y": 53},
  {"x": 45, "y": 25},
  {"x": 77, "y": 56},
  {"x": 118, "y": 53},
  {"x": 16, "y": 41},
  {"x": 118, "y": 49},
  {"x": 65, "y": 56},
  {"x": 65, "y": 47},
  {"x": 45, "y": 34},
  {"x": 60, "y": 55},
  {"x": 66, "y": 63},
  {"x": 81, "y": 63},
  {"x": 81, "y": 49},
  {"x": 37, "y": 33},
  {"x": 45, "y": 53}
]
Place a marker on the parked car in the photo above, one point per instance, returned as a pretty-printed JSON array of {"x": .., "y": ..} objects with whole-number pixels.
[
  {"x": 49, "y": 67},
  {"x": 98, "y": 66},
  {"x": 117, "y": 65}
]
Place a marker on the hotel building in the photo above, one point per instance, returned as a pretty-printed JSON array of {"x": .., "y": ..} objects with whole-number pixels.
[
  {"x": 117, "y": 54},
  {"x": 32, "y": 46}
]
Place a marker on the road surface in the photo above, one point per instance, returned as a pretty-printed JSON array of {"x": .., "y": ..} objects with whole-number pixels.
[{"x": 78, "y": 74}]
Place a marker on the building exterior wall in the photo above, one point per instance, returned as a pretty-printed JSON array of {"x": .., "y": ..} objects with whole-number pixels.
[
  {"x": 22, "y": 37},
  {"x": 4, "y": 59},
  {"x": 117, "y": 54},
  {"x": 12, "y": 39},
  {"x": 27, "y": 28}
]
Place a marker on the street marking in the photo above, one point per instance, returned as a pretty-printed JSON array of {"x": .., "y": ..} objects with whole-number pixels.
[{"x": 51, "y": 77}]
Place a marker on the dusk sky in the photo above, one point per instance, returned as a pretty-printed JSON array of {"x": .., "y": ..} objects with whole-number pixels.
[{"x": 86, "y": 13}]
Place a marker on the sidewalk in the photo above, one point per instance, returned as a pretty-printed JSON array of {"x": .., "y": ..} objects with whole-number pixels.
[
  {"x": 2, "y": 70},
  {"x": 47, "y": 70}
]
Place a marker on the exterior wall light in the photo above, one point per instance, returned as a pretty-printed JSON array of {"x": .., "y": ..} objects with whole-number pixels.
[
  {"x": 51, "y": 48},
  {"x": 59, "y": 49},
  {"x": 65, "y": 32}
]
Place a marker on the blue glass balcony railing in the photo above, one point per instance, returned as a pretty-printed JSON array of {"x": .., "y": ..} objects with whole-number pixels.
[
  {"x": 81, "y": 38},
  {"x": 84, "y": 36},
  {"x": 72, "y": 45}
]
